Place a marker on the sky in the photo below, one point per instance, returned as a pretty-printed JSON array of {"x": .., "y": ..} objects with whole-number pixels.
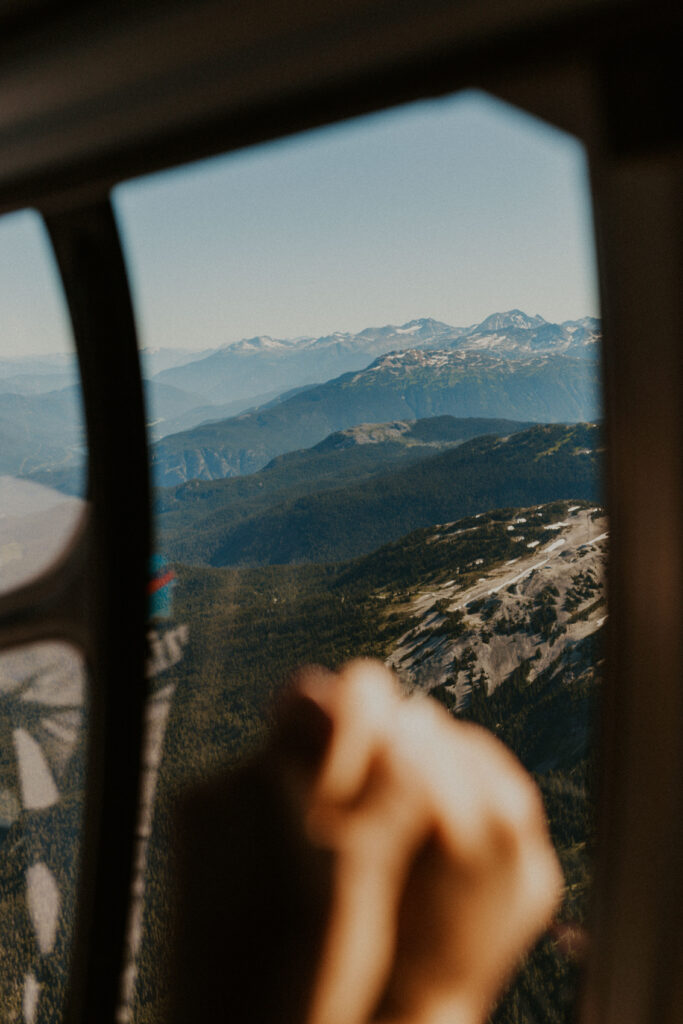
[{"x": 452, "y": 208}]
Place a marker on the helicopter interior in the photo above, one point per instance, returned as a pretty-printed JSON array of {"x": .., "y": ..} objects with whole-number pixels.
[{"x": 91, "y": 97}]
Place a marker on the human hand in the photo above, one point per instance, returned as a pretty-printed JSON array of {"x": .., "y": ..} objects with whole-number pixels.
[
  {"x": 377, "y": 863},
  {"x": 442, "y": 869}
]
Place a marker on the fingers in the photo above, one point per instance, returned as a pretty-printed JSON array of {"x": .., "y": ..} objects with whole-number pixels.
[
  {"x": 367, "y": 816},
  {"x": 485, "y": 882},
  {"x": 443, "y": 870},
  {"x": 362, "y": 701}
]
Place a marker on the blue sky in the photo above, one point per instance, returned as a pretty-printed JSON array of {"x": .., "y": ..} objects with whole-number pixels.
[{"x": 452, "y": 208}]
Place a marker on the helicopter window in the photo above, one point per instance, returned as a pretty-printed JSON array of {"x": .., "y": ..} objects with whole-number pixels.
[
  {"x": 43, "y": 459},
  {"x": 42, "y": 690},
  {"x": 42, "y": 711},
  {"x": 372, "y": 369}
]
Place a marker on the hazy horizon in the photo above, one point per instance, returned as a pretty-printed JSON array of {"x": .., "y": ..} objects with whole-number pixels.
[
  {"x": 451, "y": 209},
  {"x": 61, "y": 353}
]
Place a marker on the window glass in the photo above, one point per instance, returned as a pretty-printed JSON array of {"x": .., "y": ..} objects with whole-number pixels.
[
  {"x": 372, "y": 366},
  {"x": 43, "y": 452},
  {"x": 42, "y": 765}
]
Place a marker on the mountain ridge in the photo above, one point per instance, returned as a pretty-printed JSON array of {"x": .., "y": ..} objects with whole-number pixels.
[
  {"x": 411, "y": 384},
  {"x": 185, "y": 389},
  {"x": 345, "y": 458},
  {"x": 253, "y": 365},
  {"x": 544, "y": 463}
]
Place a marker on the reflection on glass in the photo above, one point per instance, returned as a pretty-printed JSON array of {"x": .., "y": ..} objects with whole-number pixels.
[
  {"x": 36, "y": 524},
  {"x": 43, "y": 450},
  {"x": 166, "y": 641},
  {"x": 42, "y": 736},
  {"x": 372, "y": 361}
]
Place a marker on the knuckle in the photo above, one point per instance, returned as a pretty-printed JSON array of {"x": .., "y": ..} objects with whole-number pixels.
[{"x": 517, "y": 825}]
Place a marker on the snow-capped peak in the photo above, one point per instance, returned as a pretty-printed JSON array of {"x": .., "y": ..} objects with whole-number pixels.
[{"x": 513, "y": 318}]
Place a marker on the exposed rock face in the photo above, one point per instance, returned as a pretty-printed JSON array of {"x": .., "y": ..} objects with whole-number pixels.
[{"x": 531, "y": 610}]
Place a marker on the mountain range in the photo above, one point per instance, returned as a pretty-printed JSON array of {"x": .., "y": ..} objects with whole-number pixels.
[
  {"x": 412, "y": 384},
  {"x": 512, "y": 355},
  {"x": 252, "y": 366},
  {"x": 41, "y": 432}
]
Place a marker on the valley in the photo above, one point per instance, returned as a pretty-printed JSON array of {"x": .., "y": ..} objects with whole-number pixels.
[
  {"x": 341, "y": 522},
  {"x": 436, "y": 506},
  {"x": 498, "y": 616}
]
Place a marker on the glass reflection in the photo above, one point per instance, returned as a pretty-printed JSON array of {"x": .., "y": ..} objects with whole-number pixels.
[
  {"x": 43, "y": 450},
  {"x": 42, "y": 735}
]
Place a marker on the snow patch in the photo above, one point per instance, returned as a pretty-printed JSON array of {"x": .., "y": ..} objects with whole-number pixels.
[
  {"x": 595, "y": 540},
  {"x": 43, "y": 905},
  {"x": 520, "y": 576},
  {"x": 38, "y": 789},
  {"x": 30, "y": 998}
]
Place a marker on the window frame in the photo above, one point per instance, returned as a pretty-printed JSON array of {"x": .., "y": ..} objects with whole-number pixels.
[{"x": 572, "y": 68}]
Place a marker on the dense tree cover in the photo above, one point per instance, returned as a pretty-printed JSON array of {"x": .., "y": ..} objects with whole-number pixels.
[
  {"x": 50, "y": 837},
  {"x": 249, "y": 627},
  {"x": 341, "y": 455},
  {"x": 536, "y": 466},
  {"x": 210, "y": 509},
  {"x": 252, "y": 626}
]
